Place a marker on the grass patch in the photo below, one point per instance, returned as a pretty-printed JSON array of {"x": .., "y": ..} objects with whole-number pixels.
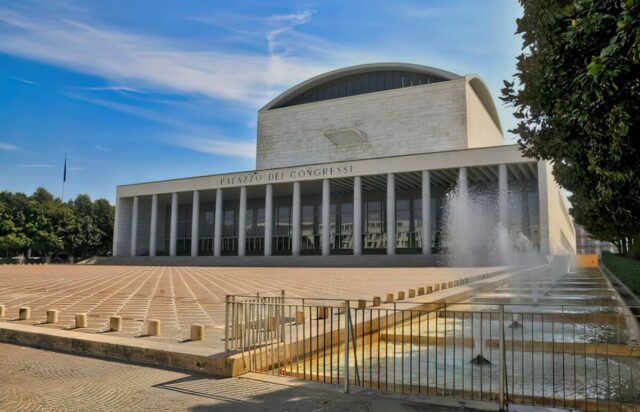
[{"x": 626, "y": 269}]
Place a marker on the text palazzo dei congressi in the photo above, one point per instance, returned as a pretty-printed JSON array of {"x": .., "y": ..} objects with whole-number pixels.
[{"x": 297, "y": 173}]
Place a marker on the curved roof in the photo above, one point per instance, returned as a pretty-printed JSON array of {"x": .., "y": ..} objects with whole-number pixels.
[
  {"x": 485, "y": 97},
  {"x": 309, "y": 84},
  {"x": 475, "y": 81}
]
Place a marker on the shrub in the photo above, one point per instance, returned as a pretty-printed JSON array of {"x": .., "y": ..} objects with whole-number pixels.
[{"x": 626, "y": 269}]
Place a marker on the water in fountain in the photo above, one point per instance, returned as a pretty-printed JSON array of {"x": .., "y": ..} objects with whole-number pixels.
[
  {"x": 467, "y": 229},
  {"x": 516, "y": 323},
  {"x": 478, "y": 357},
  {"x": 535, "y": 296},
  {"x": 476, "y": 231}
]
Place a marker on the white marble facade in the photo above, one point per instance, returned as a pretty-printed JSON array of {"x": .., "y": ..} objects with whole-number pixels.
[{"x": 344, "y": 161}]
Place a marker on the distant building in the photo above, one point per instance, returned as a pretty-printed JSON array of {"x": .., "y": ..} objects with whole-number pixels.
[
  {"x": 586, "y": 245},
  {"x": 345, "y": 161}
]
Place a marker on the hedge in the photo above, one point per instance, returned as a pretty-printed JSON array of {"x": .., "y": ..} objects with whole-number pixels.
[{"x": 626, "y": 269}]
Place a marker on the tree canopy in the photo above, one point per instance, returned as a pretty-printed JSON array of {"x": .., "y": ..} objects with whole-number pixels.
[
  {"x": 577, "y": 97},
  {"x": 44, "y": 225}
]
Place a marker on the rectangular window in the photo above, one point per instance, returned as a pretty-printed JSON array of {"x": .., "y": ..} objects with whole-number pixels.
[
  {"x": 229, "y": 227},
  {"x": 283, "y": 220},
  {"x": 259, "y": 221}
]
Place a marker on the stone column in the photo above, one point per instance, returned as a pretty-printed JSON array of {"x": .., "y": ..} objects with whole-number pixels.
[
  {"x": 295, "y": 217},
  {"x": 242, "y": 222},
  {"x": 173, "y": 234},
  {"x": 426, "y": 212},
  {"x": 357, "y": 215},
  {"x": 195, "y": 223},
  {"x": 326, "y": 218},
  {"x": 153, "y": 229},
  {"x": 268, "y": 219},
  {"x": 463, "y": 185},
  {"x": 217, "y": 228},
  {"x": 543, "y": 205},
  {"x": 391, "y": 214},
  {"x": 503, "y": 206},
  {"x": 134, "y": 226}
]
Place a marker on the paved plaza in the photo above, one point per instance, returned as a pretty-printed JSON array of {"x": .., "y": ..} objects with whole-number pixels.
[
  {"x": 182, "y": 296},
  {"x": 33, "y": 379}
]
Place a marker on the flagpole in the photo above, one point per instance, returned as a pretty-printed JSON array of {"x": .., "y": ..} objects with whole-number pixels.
[{"x": 64, "y": 175}]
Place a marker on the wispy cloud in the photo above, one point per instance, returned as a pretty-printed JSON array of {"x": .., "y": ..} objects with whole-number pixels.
[
  {"x": 145, "y": 61},
  {"x": 295, "y": 18},
  {"x": 218, "y": 146},
  {"x": 112, "y": 89},
  {"x": 36, "y": 166},
  {"x": 20, "y": 79},
  {"x": 8, "y": 147},
  {"x": 101, "y": 148}
]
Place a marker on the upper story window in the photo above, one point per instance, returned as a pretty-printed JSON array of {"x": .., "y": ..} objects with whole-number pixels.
[{"x": 361, "y": 83}]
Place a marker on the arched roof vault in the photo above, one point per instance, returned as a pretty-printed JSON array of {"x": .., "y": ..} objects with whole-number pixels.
[{"x": 475, "y": 82}]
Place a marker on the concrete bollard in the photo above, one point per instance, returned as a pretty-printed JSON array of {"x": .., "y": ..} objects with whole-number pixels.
[
  {"x": 115, "y": 323},
  {"x": 197, "y": 332},
  {"x": 322, "y": 312},
  {"x": 3, "y": 310},
  {"x": 299, "y": 317},
  {"x": 389, "y": 298},
  {"x": 24, "y": 313},
  {"x": 376, "y": 301},
  {"x": 81, "y": 320},
  {"x": 401, "y": 295},
  {"x": 436, "y": 287},
  {"x": 154, "y": 327},
  {"x": 52, "y": 316},
  {"x": 429, "y": 289},
  {"x": 362, "y": 303},
  {"x": 420, "y": 291}
]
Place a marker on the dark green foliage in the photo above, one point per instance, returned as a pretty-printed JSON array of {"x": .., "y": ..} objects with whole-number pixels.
[
  {"x": 577, "y": 98},
  {"x": 626, "y": 269},
  {"x": 45, "y": 225}
]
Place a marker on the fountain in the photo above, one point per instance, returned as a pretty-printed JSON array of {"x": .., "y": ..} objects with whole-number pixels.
[
  {"x": 516, "y": 323},
  {"x": 479, "y": 359},
  {"x": 476, "y": 226}
]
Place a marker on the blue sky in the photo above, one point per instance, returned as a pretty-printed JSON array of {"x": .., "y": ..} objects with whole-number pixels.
[{"x": 148, "y": 90}]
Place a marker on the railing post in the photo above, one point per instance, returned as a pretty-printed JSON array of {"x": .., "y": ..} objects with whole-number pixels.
[
  {"x": 502, "y": 365},
  {"x": 347, "y": 330},
  {"x": 282, "y": 316},
  {"x": 226, "y": 324}
]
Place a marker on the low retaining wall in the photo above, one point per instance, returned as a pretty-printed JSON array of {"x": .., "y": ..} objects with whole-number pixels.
[
  {"x": 174, "y": 356},
  {"x": 277, "y": 261}
]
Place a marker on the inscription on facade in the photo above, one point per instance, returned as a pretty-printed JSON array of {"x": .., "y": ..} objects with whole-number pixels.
[{"x": 286, "y": 175}]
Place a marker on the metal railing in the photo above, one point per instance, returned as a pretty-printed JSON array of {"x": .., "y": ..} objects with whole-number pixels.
[{"x": 555, "y": 356}]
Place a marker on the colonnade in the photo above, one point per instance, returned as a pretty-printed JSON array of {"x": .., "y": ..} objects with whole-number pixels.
[{"x": 296, "y": 217}]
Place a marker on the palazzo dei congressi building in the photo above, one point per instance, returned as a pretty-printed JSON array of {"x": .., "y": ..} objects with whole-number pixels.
[{"x": 345, "y": 161}]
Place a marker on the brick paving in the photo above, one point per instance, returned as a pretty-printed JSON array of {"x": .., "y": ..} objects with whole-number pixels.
[
  {"x": 182, "y": 296},
  {"x": 37, "y": 380}
]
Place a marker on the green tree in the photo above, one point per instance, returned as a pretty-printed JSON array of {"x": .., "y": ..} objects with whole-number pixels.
[
  {"x": 44, "y": 225},
  {"x": 577, "y": 98},
  {"x": 103, "y": 215}
]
